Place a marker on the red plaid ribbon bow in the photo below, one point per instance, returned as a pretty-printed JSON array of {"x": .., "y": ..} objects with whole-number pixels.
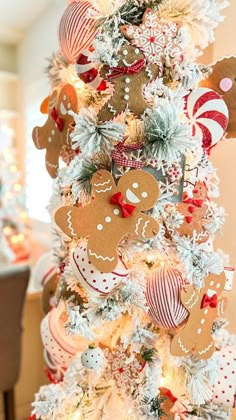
[
  {"x": 59, "y": 121},
  {"x": 209, "y": 301},
  {"x": 133, "y": 69},
  {"x": 118, "y": 155},
  {"x": 127, "y": 209}
]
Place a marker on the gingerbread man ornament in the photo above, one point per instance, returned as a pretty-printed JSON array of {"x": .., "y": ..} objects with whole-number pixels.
[
  {"x": 56, "y": 131},
  {"x": 194, "y": 212},
  {"x": 204, "y": 306},
  {"x": 129, "y": 79},
  {"x": 115, "y": 212}
]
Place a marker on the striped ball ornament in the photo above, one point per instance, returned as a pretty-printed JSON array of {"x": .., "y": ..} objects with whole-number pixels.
[
  {"x": 163, "y": 298},
  {"x": 76, "y": 29},
  {"x": 208, "y": 115}
]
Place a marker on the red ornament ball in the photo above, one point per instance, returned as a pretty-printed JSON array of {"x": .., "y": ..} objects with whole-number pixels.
[
  {"x": 163, "y": 298},
  {"x": 76, "y": 30}
]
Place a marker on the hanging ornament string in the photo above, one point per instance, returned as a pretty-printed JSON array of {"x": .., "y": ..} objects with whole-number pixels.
[
  {"x": 118, "y": 155},
  {"x": 135, "y": 68},
  {"x": 59, "y": 121}
]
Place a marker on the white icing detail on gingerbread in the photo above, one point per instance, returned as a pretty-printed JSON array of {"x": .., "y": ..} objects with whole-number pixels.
[
  {"x": 64, "y": 98},
  {"x": 103, "y": 191},
  {"x": 100, "y": 257},
  {"x": 199, "y": 330},
  {"x": 206, "y": 349},
  {"x": 103, "y": 183},
  {"x": 63, "y": 109},
  {"x": 126, "y": 97},
  {"x": 182, "y": 346},
  {"x": 194, "y": 303},
  {"x": 108, "y": 219},
  {"x": 49, "y": 139},
  {"x": 144, "y": 194},
  {"x": 132, "y": 197},
  {"x": 69, "y": 105},
  {"x": 211, "y": 292},
  {"x": 125, "y": 52},
  {"x": 127, "y": 90},
  {"x": 203, "y": 321},
  {"x": 148, "y": 72},
  {"x": 135, "y": 185},
  {"x": 69, "y": 221},
  {"x": 190, "y": 299},
  {"x": 144, "y": 228},
  {"x": 116, "y": 212},
  {"x": 111, "y": 109},
  {"x": 137, "y": 225},
  {"x": 68, "y": 136},
  {"x": 127, "y": 80},
  {"x": 51, "y": 165},
  {"x": 206, "y": 311},
  {"x": 53, "y": 132},
  {"x": 99, "y": 227},
  {"x": 37, "y": 138},
  {"x": 218, "y": 285}
]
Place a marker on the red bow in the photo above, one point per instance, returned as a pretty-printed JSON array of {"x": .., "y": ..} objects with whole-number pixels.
[
  {"x": 133, "y": 69},
  {"x": 59, "y": 121},
  {"x": 195, "y": 202},
  {"x": 167, "y": 392},
  {"x": 209, "y": 301},
  {"x": 127, "y": 209}
]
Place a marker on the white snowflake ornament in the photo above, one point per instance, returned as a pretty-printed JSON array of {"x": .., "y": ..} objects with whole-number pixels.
[
  {"x": 158, "y": 39},
  {"x": 92, "y": 358}
]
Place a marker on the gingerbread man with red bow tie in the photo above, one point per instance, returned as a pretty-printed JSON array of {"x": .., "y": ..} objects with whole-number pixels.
[
  {"x": 56, "y": 131},
  {"x": 204, "y": 306},
  {"x": 114, "y": 213},
  {"x": 194, "y": 211}
]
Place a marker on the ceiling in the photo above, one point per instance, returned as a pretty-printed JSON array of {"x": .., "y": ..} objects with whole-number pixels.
[{"x": 17, "y": 15}]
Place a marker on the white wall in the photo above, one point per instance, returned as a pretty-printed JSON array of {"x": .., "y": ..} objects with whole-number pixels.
[{"x": 38, "y": 44}]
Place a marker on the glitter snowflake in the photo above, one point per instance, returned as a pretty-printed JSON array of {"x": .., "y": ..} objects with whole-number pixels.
[
  {"x": 124, "y": 368},
  {"x": 156, "y": 38}
]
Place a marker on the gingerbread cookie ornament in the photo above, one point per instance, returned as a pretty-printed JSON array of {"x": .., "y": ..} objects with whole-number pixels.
[
  {"x": 204, "y": 306},
  {"x": 56, "y": 131},
  {"x": 223, "y": 81},
  {"x": 115, "y": 212},
  {"x": 194, "y": 212},
  {"x": 129, "y": 79}
]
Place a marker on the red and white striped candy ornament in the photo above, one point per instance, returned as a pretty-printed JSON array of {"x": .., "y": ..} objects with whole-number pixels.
[
  {"x": 224, "y": 391},
  {"x": 86, "y": 72},
  {"x": 90, "y": 277},
  {"x": 208, "y": 115},
  {"x": 59, "y": 346},
  {"x": 163, "y": 298},
  {"x": 76, "y": 29}
]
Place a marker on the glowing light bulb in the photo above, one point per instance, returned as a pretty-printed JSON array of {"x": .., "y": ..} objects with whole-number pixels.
[
  {"x": 13, "y": 168},
  {"x": 14, "y": 239},
  {"x": 7, "y": 230},
  {"x": 8, "y": 196},
  {"x": 17, "y": 187},
  {"x": 162, "y": 381}
]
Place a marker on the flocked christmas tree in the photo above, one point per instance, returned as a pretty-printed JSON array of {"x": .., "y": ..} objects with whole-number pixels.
[
  {"x": 14, "y": 226},
  {"x": 137, "y": 328}
]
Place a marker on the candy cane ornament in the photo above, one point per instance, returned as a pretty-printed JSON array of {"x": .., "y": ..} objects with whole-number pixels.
[
  {"x": 88, "y": 73},
  {"x": 208, "y": 115}
]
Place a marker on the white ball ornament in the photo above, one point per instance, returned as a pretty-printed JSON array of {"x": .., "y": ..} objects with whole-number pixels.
[{"x": 93, "y": 358}]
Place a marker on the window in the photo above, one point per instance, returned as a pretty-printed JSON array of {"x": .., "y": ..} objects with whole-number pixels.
[{"x": 38, "y": 182}]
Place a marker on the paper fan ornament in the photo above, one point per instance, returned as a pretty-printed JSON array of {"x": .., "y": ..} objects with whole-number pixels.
[
  {"x": 208, "y": 115},
  {"x": 77, "y": 30}
]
